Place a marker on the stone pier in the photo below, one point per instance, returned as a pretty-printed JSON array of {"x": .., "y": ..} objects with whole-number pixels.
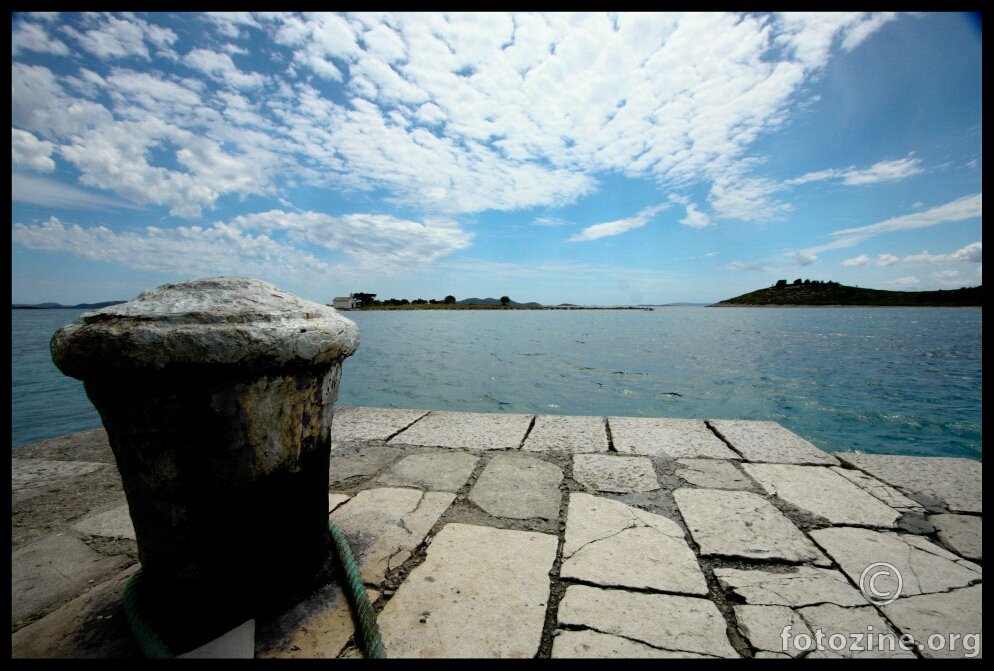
[{"x": 520, "y": 536}]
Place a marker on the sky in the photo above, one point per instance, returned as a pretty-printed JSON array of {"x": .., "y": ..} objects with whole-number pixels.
[{"x": 596, "y": 159}]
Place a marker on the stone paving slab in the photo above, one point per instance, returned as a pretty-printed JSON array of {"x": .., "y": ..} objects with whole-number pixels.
[
  {"x": 832, "y": 620},
  {"x": 384, "y": 525},
  {"x": 665, "y": 621},
  {"x": 481, "y": 592},
  {"x": 519, "y": 486},
  {"x": 823, "y": 492},
  {"x": 589, "y": 644},
  {"x": 113, "y": 523},
  {"x": 742, "y": 524},
  {"x": 673, "y": 438},
  {"x": 763, "y": 627},
  {"x": 439, "y": 471},
  {"x": 55, "y": 569},
  {"x": 467, "y": 430},
  {"x": 766, "y": 441},
  {"x": 796, "y": 586},
  {"x": 365, "y": 462},
  {"x": 357, "y": 423},
  {"x": 955, "y": 481},
  {"x": 924, "y": 566},
  {"x": 713, "y": 474},
  {"x": 91, "y": 626},
  {"x": 963, "y": 534},
  {"x": 318, "y": 627},
  {"x": 565, "y": 433},
  {"x": 879, "y": 490},
  {"x": 612, "y": 473},
  {"x": 612, "y": 544},
  {"x": 942, "y": 615}
]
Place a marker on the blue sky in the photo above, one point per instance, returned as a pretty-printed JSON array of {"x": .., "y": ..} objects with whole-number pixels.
[{"x": 588, "y": 158}]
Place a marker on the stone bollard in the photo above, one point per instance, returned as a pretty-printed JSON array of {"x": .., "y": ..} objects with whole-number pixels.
[{"x": 217, "y": 395}]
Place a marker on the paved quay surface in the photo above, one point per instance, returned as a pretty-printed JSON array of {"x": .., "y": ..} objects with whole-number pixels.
[{"x": 522, "y": 536}]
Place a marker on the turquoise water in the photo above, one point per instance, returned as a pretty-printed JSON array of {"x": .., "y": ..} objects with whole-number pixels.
[{"x": 884, "y": 380}]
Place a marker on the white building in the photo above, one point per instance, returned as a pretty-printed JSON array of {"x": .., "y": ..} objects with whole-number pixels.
[{"x": 344, "y": 303}]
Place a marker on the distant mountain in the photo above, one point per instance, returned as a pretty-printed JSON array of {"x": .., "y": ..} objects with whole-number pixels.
[
  {"x": 493, "y": 301},
  {"x": 833, "y": 293},
  {"x": 59, "y": 306}
]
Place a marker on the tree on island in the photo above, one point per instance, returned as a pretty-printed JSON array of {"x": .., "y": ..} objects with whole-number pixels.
[
  {"x": 504, "y": 300},
  {"x": 449, "y": 300}
]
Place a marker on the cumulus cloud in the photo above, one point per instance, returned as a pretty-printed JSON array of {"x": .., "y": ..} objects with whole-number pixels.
[
  {"x": 27, "y": 36},
  {"x": 618, "y": 227},
  {"x": 695, "y": 218},
  {"x": 27, "y": 151},
  {"x": 856, "y": 262}
]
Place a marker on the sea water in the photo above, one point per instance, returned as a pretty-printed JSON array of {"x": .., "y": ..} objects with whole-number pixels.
[{"x": 882, "y": 380}]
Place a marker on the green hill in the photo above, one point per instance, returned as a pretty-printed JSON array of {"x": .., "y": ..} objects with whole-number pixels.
[{"x": 833, "y": 293}]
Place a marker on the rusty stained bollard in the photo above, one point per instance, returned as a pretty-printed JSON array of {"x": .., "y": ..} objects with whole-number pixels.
[{"x": 217, "y": 395}]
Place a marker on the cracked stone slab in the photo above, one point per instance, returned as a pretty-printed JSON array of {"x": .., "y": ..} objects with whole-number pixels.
[
  {"x": 879, "y": 490},
  {"x": 794, "y": 587},
  {"x": 963, "y": 534},
  {"x": 823, "y": 492},
  {"x": 665, "y": 621},
  {"x": 763, "y": 627},
  {"x": 519, "y": 486},
  {"x": 467, "y": 430},
  {"x": 956, "y": 612},
  {"x": 713, "y": 474},
  {"x": 767, "y": 441},
  {"x": 356, "y": 423},
  {"x": 54, "y": 569},
  {"x": 924, "y": 566},
  {"x": 564, "y": 433},
  {"x": 588, "y": 644},
  {"x": 335, "y": 500},
  {"x": 956, "y": 481},
  {"x": 439, "y": 471},
  {"x": 615, "y": 545},
  {"x": 481, "y": 592},
  {"x": 35, "y": 472},
  {"x": 742, "y": 524},
  {"x": 113, "y": 523},
  {"x": 384, "y": 525},
  {"x": 611, "y": 473},
  {"x": 673, "y": 438},
  {"x": 830, "y": 620},
  {"x": 365, "y": 462},
  {"x": 318, "y": 627}
]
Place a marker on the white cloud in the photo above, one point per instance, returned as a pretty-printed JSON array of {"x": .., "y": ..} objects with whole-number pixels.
[
  {"x": 967, "y": 207},
  {"x": 370, "y": 239},
  {"x": 618, "y": 227},
  {"x": 695, "y": 218},
  {"x": 27, "y": 36},
  {"x": 804, "y": 258},
  {"x": 883, "y": 171},
  {"x": 742, "y": 265},
  {"x": 855, "y": 262},
  {"x": 220, "y": 66},
  {"x": 47, "y": 192},
  {"x": 220, "y": 249},
  {"x": 886, "y": 260},
  {"x": 972, "y": 253},
  {"x": 27, "y": 151}
]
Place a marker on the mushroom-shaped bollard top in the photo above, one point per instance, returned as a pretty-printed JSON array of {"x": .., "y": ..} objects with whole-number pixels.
[{"x": 217, "y": 322}]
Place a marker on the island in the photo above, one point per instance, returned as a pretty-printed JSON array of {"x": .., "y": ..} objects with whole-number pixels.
[{"x": 817, "y": 293}]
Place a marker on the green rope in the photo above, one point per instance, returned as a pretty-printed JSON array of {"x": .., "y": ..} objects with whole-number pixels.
[
  {"x": 151, "y": 643},
  {"x": 153, "y": 646},
  {"x": 371, "y": 642}
]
